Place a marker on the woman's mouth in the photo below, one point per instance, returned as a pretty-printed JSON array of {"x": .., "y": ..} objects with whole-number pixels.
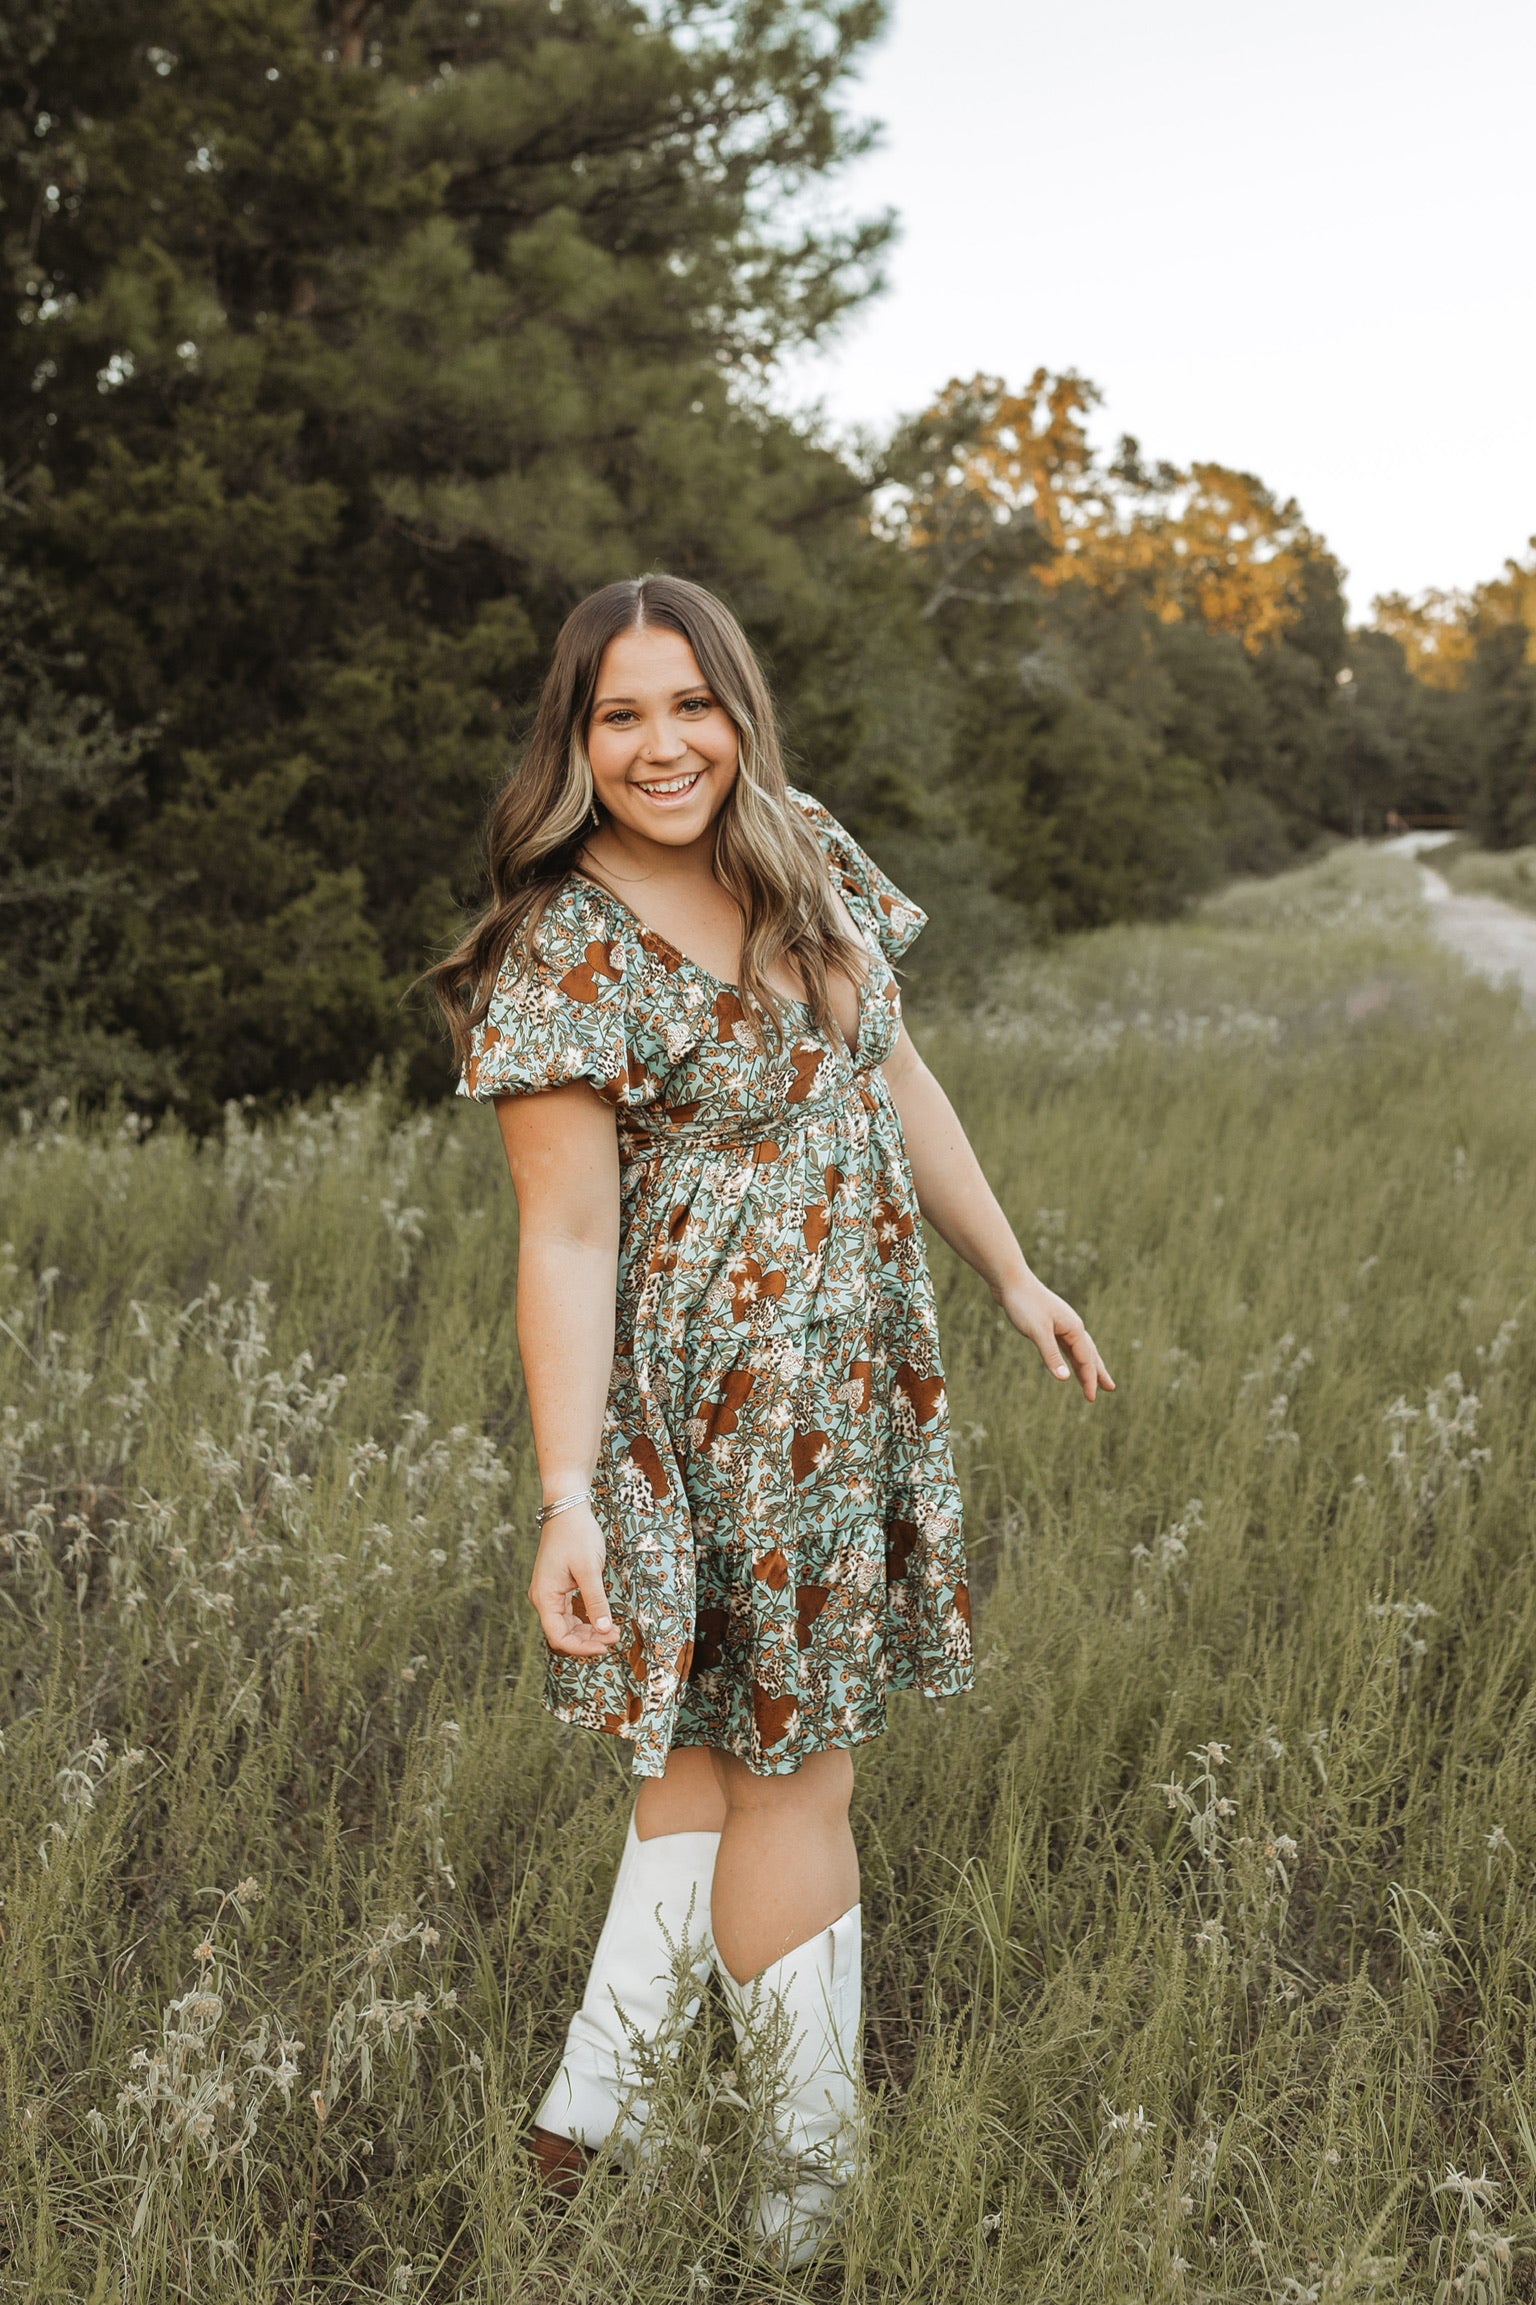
[{"x": 668, "y": 791}]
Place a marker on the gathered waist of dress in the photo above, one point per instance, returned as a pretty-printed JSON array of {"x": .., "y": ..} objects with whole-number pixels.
[{"x": 641, "y": 1136}]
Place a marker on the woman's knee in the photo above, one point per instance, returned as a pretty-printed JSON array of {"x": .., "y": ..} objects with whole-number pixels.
[
  {"x": 691, "y": 1765},
  {"x": 686, "y": 1799},
  {"x": 823, "y": 1785}
]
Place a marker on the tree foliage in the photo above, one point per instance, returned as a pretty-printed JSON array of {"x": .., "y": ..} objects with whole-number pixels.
[
  {"x": 1143, "y": 657},
  {"x": 1471, "y": 657},
  {"x": 345, "y": 343},
  {"x": 66, "y": 898},
  {"x": 344, "y": 350}
]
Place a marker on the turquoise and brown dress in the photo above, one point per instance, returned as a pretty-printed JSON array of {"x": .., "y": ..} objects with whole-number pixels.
[{"x": 775, "y": 1477}]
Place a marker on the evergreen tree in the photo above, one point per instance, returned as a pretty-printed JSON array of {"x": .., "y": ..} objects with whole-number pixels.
[
  {"x": 346, "y": 350},
  {"x": 1501, "y": 693},
  {"x": 68, "y": 909}
]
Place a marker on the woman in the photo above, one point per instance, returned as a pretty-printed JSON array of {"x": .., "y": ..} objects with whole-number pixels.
[{"x": 681, "y": 1002}]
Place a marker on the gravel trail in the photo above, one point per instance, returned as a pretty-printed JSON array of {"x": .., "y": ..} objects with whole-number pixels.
[{"x": 1495, "y": 940}]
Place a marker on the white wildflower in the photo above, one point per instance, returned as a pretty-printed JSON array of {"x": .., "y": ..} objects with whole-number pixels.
[{"x": 1477, "y": 2192}]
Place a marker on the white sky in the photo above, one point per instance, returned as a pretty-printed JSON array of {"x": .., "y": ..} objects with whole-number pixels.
[{"x": 1295, "y": 238}]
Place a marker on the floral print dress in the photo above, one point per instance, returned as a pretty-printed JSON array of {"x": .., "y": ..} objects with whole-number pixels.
[{"x": 775, "y": 1478}]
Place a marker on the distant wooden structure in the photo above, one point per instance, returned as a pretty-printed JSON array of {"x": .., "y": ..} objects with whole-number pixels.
[{"x": 1397, "y": 822}]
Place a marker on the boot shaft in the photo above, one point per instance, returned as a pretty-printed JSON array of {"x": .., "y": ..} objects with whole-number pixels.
[{"x": 648, "y": 1972}]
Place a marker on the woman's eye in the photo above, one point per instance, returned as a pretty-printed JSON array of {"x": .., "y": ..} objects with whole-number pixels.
[{"x": 695, "y": 704}]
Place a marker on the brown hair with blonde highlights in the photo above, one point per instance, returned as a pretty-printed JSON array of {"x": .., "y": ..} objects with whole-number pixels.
[{"x": 765, "y": 852}]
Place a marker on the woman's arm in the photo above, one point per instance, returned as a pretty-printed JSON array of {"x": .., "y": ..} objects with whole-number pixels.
[
  {"x": 562, "y": 1149},
  {"x": 958, "y": 1202}
]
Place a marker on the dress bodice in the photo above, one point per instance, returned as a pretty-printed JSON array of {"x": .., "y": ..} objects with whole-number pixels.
[{"x": 672, "y": 1047}]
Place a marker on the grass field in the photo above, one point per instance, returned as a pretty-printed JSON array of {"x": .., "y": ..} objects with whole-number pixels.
[{"x": 1200, "y": 1939}]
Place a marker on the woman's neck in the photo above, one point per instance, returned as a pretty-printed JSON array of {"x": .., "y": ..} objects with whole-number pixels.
[{"x": 628, "y": 859}]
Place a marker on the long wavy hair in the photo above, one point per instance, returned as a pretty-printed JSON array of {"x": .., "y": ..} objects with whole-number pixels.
[{"x": 765, "y": 852}]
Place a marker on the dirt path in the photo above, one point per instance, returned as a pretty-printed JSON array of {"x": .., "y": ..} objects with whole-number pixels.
[{"x": 1495, "y": 940}]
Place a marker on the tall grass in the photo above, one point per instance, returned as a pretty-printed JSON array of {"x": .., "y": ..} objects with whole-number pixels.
[
  {"x": 1200, "y": 1938},
  {"x": 1510, "y": 874}
]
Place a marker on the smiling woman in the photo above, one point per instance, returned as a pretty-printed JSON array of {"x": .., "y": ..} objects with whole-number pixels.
[
  {"x": 721, "y": 1138},
  {"x": 680, "y": 692},
  {"x": 663, "y": 716}
]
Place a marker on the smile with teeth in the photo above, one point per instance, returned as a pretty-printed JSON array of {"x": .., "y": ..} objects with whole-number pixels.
[{"x": 673, "y": 784}]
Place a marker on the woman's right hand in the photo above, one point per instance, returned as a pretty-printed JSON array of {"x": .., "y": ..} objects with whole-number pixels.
[{"x": 567, "y": 1585}]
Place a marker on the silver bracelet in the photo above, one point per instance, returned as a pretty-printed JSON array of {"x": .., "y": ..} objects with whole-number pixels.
[{"x": 560, "y": 1505}]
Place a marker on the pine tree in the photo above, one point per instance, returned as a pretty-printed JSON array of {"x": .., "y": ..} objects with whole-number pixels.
[
  {"x": 67, "y": 899},
  {"x": 347, "y": 348}
]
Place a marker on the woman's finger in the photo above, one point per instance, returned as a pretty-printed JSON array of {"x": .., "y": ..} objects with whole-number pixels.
[
  {"x": 1068, "y": 1336},
  {"x": 560, "y": 1612},
  {"x": 571, "y": 1636},
  {"x": 1084, "y": 1357},
  {"x": 554, "y": 1616},
  {"x": 553, "y": 1624},
  {"x": 1091, "y": 1372},
  {"x": 594, "y": 1601}
]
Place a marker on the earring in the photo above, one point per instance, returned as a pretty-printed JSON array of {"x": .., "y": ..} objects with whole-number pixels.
[{"x": 592, "y": 815}]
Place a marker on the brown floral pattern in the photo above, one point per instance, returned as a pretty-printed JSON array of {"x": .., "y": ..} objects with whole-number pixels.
[{"x": 775, "y": 1480}]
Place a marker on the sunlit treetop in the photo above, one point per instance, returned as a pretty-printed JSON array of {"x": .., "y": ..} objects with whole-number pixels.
[
  {"x": 1201, "y": 541},
  {"x": 1439, "y": 631}
]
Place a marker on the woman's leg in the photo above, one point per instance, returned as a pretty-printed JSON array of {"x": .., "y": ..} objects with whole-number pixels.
[
  {"x": 788, "y": 1936},
  {"x": 687, "y": 1799},
  {"x": 787, "y": 1867}
]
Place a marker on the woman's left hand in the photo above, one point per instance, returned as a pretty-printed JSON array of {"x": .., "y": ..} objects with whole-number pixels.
[{"x": 1056, "y": 1331}]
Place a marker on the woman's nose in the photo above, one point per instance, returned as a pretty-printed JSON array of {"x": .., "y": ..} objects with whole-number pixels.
[{"x": 664, "y": 742}]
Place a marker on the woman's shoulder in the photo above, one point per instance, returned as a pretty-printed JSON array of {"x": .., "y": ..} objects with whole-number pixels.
[
  {"x": 578, "y": 920},
  {"x": 893, "y": 916},
  {"x": 817, "y": 814},
  {"x": 590, "y": 947},
  {"x": 839, "y": 845},
  {"x": 583, "y": 913},
  {"x": 570, "y": 948}
]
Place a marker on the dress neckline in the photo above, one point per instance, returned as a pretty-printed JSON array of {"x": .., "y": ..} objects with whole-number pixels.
[{"x": 723, "y": 984}]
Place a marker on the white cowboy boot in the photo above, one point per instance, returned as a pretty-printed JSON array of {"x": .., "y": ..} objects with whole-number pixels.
[
  {"x": 659, "y": 1911},
  {"x": 804, "y": 2012}
]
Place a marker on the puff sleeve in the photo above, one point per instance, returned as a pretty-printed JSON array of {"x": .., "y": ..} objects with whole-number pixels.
[
  {"x": 559, "y": 1011},
  {"x": 875, "y": 901}
]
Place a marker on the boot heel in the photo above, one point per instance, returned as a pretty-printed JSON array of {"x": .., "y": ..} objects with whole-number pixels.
[{"x": 559, "y": 2162}]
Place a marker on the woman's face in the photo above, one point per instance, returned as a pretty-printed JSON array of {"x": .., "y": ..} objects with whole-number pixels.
[{"x": 663, "y": 749}]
